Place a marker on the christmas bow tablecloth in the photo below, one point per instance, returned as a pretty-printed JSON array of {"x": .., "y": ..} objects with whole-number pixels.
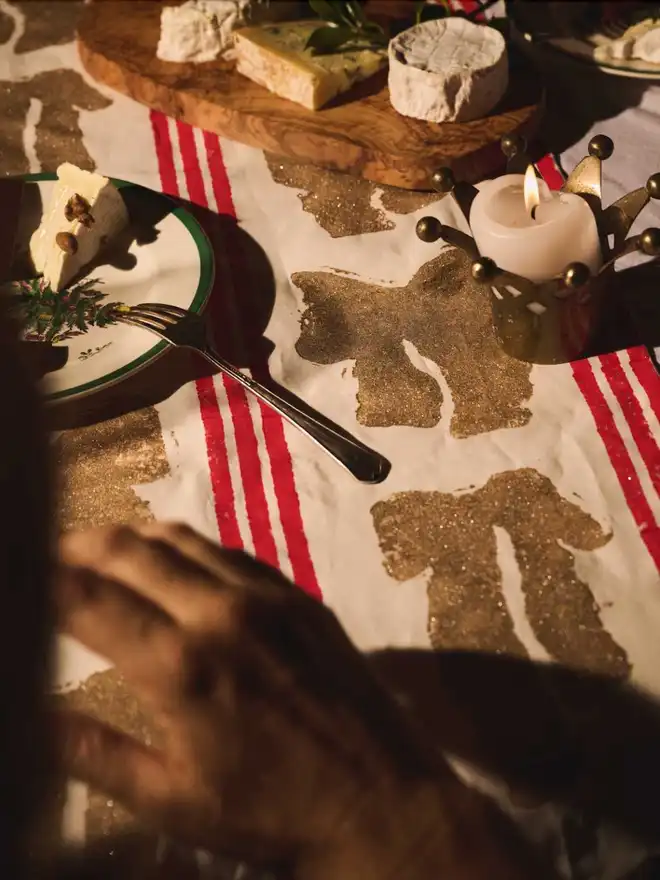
[{"x": 522, "y": 511}]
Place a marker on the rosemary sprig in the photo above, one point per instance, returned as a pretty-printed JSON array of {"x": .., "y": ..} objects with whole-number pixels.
[
  {"x": 346, "y": 27},
  {"x": 49, "y": 316}
]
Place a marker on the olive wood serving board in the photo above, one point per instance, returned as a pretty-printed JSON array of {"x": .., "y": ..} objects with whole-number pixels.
[{"x": 360, "y": 133}]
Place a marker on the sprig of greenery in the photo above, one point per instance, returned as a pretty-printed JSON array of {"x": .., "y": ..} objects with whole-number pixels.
[
  {"x": 49, "y": 316},
  {"x": 346, "y": 27}
]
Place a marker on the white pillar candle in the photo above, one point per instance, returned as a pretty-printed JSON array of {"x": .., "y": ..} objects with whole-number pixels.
[{"x": 561, "y": 231}]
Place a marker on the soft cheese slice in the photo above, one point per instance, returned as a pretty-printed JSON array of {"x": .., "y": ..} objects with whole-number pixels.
[
  {"x": 198, "y": 30},
  {"x": 275, "y": 57},
  {"x": 447, "y": 70},
  {"x": 647, "y": 47},
  {"x": 641, "y": 41},
  {"x": 109, "y": 217}
]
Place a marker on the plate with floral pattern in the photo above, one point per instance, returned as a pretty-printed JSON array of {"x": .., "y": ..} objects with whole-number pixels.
[{"x": 163, "y": 256}]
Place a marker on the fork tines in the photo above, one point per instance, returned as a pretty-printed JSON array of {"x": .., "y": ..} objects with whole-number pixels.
[{"x": 153, "y": 316}]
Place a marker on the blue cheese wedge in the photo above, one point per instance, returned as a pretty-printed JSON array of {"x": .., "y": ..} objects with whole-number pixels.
[
  {"x": 84, "y": 214},
  {"x": 199, "y": 31},
  {"x": 447, "y": 70},
  {"x": 274, "y": 56}
]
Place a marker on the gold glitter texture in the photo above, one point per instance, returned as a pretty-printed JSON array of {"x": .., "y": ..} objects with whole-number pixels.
[
  {"x": 6, "y": 27},
  {"x": 452, "y": 536},
  {"x": 62, "y": 94},
  {"x": 343, "y": 204},
  {"x": 47, "y": 23},
  {"x": 99, "y": 465},
  {"x": 446, "y": 317}
]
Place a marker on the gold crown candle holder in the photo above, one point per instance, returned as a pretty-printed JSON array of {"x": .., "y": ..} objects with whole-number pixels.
[{"x": 541, "y": 318}]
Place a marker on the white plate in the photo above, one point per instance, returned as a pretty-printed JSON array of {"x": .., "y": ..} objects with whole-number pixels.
[
  {"x": 583, "y": 50},
  {"x": 173, "y": 264},
  {"x": 527, "y": 20}
]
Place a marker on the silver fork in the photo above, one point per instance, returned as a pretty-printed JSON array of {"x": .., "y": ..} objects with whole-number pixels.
[{"x": 189, "y": 330}]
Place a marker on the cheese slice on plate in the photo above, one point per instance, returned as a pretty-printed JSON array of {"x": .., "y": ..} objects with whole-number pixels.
[
  {"x": 274, "y": 56},
  {"x": 447, "y": 70},
  {"x": 84, "y": 214}
]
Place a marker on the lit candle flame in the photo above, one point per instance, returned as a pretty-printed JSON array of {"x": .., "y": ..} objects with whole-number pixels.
[{"x": 531, "y": 190}]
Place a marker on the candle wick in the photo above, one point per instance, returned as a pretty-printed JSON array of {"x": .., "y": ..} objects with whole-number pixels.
[{"x": 534, "y": 212}]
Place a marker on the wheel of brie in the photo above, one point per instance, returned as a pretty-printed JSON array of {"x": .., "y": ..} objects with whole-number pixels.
[{"x": 447, "y": 70}]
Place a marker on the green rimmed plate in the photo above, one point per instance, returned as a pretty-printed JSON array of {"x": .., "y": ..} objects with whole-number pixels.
[
  {"x": 165, "y": 256},
  {"x": 533, "y": 24}
]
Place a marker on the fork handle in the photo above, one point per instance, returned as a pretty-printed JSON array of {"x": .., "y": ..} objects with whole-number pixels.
[{"x": 364, "y": 463}]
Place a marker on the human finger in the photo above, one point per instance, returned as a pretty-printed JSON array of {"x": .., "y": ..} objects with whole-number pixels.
[
  {"x": 134, "y": 634},
  {"x": 234, "y": 567},
  {"x": 190, "y": 593},
  {"x": 113, "y": 762}
]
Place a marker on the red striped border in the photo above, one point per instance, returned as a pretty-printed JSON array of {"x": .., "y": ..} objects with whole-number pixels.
[
  {"x": 211, "y": 416},
  {"x": 246, "y": 438},
  {"x": 633, "y": 414},
  {"x": 277, "y": 449},
  {"x": 631, "y": 409},
  {"x": 647, "y": 376},
  {"x": 250, "y": 463},
  {"x": 619, "y": 457}
]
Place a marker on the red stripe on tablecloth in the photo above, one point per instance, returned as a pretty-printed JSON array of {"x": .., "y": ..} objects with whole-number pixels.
[
  {"x": 164, "y": 154},
  {"x": 550, "y": 173},
  {"x": 288, "y": 503},
  {"x": 647, "y": 376},
  {"x": 191, "y": 166},
  {"x": 247, "y": 446},
  {"x": 284, "y": 483},
  {"x": 214, "y": 429},
  {"x": 216, "y": 451},
  {"x": 219, "y": 178},
  {"x": 469, "y": 7},
  {"x": 633, "y": 414},
  {"x": 249, "y": 462},
  {"x": 619, "y": 457}
]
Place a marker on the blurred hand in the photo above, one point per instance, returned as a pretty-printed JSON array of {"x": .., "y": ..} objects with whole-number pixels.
[{"x": 280, "y": 746}]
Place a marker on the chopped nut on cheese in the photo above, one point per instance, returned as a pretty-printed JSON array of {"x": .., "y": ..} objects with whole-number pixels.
[
  {"x": 84, "y": 212},
  {"x": 275, "y": 57}
]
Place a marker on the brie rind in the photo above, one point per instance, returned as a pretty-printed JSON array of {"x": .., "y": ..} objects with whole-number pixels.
[
  {"x": 199, "y": 30},
  {"x": 109, "y": 217},
  {"x": 447, "y": 70}
]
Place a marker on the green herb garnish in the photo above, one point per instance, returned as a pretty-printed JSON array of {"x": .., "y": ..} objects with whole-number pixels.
[
  {"x": 47, "y": 316},
  {"x": 346, "y": 27}
]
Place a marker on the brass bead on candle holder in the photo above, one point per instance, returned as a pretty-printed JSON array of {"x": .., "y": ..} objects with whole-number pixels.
[
  {"x": 443, "y": 180},
  {"x": 484, "y": 270},
  {"x": 551, "y": 321},
  {"x": 650, "y": 242},
  {"x": 429, "y": 229},
  {"x": 653, "y": 185},
  {"x": 601, "y": 147},
  {"x": 576, "y": 275}
]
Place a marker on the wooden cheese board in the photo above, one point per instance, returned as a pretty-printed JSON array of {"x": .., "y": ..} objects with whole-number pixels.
[{"x": 360, "y": 133}]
